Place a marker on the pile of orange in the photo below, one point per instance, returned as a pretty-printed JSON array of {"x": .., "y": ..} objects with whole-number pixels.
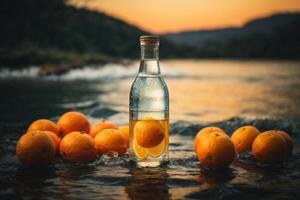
[
  {"x": 73, "y": 138},
  {"x": 216, "y": 150}
]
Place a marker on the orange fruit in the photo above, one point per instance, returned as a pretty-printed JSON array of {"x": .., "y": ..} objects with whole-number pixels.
[
  {"x": 78, "y": 147},
  {"x": 43, "y": 125},
  {"x": 101, "y": 125},
  {"x": 288, "y": 139},
  {"x": 243, "y": 138},
  {"x": 125, "y": 132},
  {"x": 73, "y": 121},
  {"x": 35, "y": 148},
  {"x": 54, "y": 138},
  {"x": 201, "y": 134},
  {"x": 110, "y": 140},
  {"x": 142, "y": 153},
  {"x": 216, "y": 151},
  {"x": 148, "y": 133},
  {"x": 269, "y": 146}
]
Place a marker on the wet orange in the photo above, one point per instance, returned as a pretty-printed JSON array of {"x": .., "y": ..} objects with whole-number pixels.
[
  {"x": 243, "y": 138},
  {"x": 216, "y": 151},
  {"x": 101, "y": 125},
  {"x": 43, "y": 125},
  {"x": 269, "y": 147},
  {"x": 288, "y": 139},
  {"x": 201, "y": 134},
  {"x": 110, "y": 140},
  {"x": 73, "y": 121},
  {"x": 78, "y": 147},
  {"x": 125, "y": 132},
  {"x": 148, "y": 133},
  {"x": 35, "y": 148},
  {"x": 55, "y": 139}
]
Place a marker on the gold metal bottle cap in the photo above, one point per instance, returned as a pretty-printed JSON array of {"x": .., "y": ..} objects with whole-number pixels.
[{"x": 149, "y": 40}]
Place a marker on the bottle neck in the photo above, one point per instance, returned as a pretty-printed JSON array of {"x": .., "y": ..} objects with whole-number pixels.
[
  {"x": 149, "y": 52},
  {"x": 149, "y": 60}
]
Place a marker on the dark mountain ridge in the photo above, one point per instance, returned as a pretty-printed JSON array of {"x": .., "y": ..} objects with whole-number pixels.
[
  {"x": 275, "y": 36},
  {"x": 264, "y": 25}
]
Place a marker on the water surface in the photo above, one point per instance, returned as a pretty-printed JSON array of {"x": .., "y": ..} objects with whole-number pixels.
[{"x": 228, "y": 94}]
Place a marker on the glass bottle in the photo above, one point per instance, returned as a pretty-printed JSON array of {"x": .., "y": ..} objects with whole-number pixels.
[{"x": 149, "y": 109}]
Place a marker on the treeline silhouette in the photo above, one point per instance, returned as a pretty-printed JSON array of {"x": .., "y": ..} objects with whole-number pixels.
[
  {"x": 49, "y": 31},
  {"x": 36, "y": 32}
]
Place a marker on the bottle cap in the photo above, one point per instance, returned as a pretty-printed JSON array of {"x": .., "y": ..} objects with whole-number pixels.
[{"x": 149, "y": 40}]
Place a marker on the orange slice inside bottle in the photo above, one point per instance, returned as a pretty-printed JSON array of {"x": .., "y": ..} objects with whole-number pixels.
[
  {"x": 139, "y": 151},
  {"x": 157, "y": 150},
  {"x": 154, "y": 152}
]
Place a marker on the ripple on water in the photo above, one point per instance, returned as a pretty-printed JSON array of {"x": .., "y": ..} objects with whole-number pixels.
[{"x": 183, "y": 177}]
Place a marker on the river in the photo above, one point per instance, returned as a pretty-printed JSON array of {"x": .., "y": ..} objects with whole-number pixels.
[{"x": 227, "y": 93}]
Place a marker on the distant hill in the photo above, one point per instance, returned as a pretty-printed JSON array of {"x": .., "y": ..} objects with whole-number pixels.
[
  {"x": 275, "y": 36},
  {"x": 35, "y": 32},
  {"x": 49, "y": 31}
]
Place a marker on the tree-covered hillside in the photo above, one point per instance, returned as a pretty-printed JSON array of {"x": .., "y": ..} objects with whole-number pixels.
[
  {"x": 49, "y": 31},
  {"x": 37, "y": 32}
]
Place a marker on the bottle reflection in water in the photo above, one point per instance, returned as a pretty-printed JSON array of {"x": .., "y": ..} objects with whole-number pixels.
[
  {"x": 149, "y": 109},
  {"x": 148, "y": 184}
]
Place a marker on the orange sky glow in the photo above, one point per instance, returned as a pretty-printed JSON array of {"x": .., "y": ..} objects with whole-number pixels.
[{"x": 160, "y": 16}]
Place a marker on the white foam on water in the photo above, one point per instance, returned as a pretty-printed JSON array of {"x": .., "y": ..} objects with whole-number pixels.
[
  {"x": 30, "y": 72},
  {"x": 107, "y": 71},
  {"x": 95, "y": 72}
]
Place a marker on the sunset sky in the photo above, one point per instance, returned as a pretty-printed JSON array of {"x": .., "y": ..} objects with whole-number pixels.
[{"x": 159, "y": 16}]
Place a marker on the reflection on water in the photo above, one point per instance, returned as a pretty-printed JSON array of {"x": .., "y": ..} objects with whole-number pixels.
[
  {"x": 181, "y": 178},
  {"x": 199, "y": 91},
  {"x": 212, "y": 178},
  {"x": 210, "y": 90},
  {"x": 148, "y": 183},
  {"x": 31, "y": 183}
]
